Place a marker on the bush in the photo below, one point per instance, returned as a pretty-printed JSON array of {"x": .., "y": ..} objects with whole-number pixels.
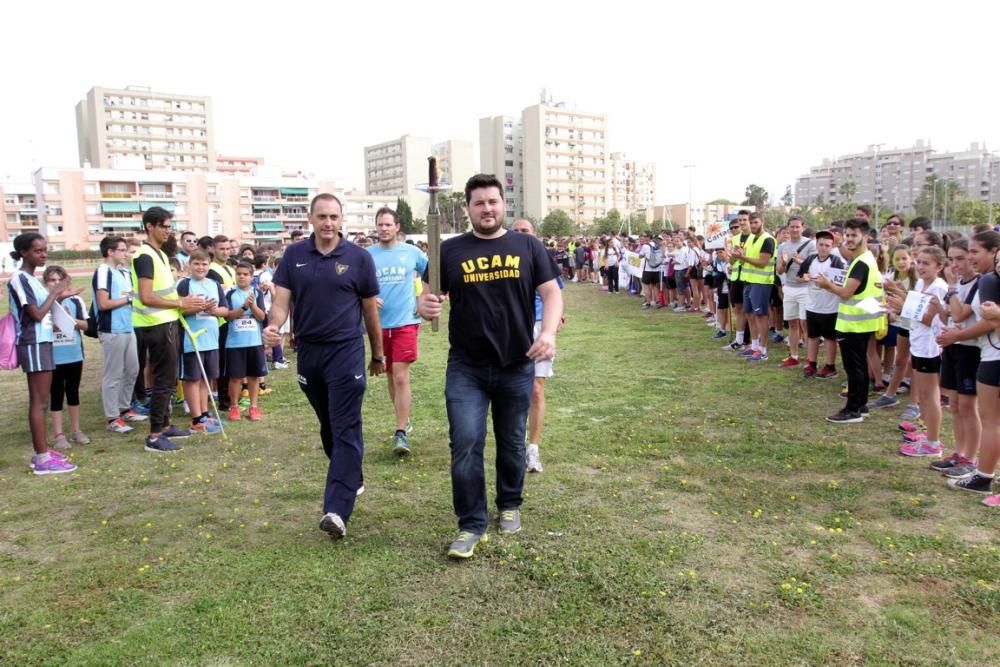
[{"x": 74, "y": 254}]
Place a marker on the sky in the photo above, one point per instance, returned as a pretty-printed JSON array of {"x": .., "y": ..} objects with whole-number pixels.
[{"x": 747, "y": 92}]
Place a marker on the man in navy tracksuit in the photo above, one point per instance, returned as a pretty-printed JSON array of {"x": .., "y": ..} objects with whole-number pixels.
[{"x": 333, "y": 286}]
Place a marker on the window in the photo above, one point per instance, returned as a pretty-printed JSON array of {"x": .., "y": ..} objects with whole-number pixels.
[{"x": 508, "y": 163}]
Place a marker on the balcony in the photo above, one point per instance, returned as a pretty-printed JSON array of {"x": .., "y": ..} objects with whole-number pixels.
[
  {"x": 155, "y": 195},
  {"x": 264, "y": 198}
]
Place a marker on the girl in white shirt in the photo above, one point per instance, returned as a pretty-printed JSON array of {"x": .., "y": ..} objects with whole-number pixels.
[{"x": 925, "y": 353}]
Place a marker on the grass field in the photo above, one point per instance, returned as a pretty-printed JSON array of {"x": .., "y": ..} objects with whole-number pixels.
[{"x": 693, "y": 510}]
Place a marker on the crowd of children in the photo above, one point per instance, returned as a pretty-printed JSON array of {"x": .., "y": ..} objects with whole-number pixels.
[{"x": 222, "y": 356}]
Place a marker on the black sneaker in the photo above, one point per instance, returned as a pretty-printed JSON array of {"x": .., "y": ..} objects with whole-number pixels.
[
  {"x": 945, "y": 464},
  {"x": 864, "y": 412},
  {"x": 845, "y": 417},
  {"x": 975, "y": 483}
]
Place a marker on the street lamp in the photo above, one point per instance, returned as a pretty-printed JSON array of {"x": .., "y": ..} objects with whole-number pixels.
[{"x": 690, "y": 212}]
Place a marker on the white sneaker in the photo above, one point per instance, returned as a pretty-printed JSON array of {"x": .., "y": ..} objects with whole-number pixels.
[
  {"x": 334, "y": 525},
  {"x": 534, "y": 460},
  {"x": 280, "y": 365}
]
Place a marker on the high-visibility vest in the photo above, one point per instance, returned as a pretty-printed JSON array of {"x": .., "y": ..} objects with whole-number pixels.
[
  {"x": 755, "y": 274},
  {"x": 228, "y": 274},
  {"x": 163, "y": 286},
  {"x": 735, "y": 265},
  {"x": 850, "y": 318}
]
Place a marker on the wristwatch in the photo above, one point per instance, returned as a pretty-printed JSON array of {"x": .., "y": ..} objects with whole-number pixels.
[{"x": 380, "y": 360}]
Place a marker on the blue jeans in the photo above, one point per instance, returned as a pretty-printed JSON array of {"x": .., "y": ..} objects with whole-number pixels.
[{"x": 469, "y": 391}]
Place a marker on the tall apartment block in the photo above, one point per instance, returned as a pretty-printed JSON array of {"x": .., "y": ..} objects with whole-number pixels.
[
  {"x": 894, "y": 178},
  {"x": 136, "y": 127},
  {"x": 633, "y": 185},
  {"x": 395, "y": 168},
  {"x": 566, "y": 163},
  {"x": 501, "y": 154}
]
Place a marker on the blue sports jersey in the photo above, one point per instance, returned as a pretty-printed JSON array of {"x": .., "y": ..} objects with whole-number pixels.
[
  {"x": 245, "y": 330},
  {"x": 117, "y": 283},
  {"x": 202, "y": 325},
  {"x": 69, "y": 349},
  {"x": 24, "y": 289},
  {"x": 396, "y": 268}
]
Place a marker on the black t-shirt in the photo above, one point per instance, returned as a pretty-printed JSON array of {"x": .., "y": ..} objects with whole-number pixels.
[
  {"x": 143, "y": 264},
  {"x": 767, "y": 248},
  {"x": 859, "y": 273},
  {"x": 491, "y": 286},
  {"x": 989, "y": 287}
]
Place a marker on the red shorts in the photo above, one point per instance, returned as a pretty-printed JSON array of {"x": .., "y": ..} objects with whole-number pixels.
[{"x": 400, "y": 344}]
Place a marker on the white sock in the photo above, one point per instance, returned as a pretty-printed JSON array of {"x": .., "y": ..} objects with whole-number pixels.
[
  {"x": 43, "y": 458},
  {"x": 739, "y": 337},
  {"x": 984, "y": 474}
]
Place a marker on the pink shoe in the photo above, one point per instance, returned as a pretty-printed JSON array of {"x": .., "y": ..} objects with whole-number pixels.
[
  {"x": 916, "y": 436},
  {"x": 910, "y": 427},
  {"x": 992, "y": 501},
  {"x": 53, "y": 466},
  {"x": 922, "y": 448}
]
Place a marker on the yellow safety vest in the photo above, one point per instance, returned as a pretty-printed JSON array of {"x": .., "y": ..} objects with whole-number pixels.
[
  {"x": 228, "y": 275},
  {"x": 850, "y": 318},
  {"x": 163, "y": 286},
  {"x": 754, "y": 274},
  {"x": 736, "y": 266}
]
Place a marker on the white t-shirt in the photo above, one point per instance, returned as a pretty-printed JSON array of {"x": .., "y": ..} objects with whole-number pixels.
[
  {"x": 611, "y": 258},
  {"x": 682, "y": 257},
  {"x": 922, "y": 343},
  {"x": 819, "y": 300},
  {"x": 963, "y": 291}
]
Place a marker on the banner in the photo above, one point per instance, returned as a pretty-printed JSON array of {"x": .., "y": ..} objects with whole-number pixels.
[
  {"x": 715, "y": 235},
  {"x": 632, "y": 264}
]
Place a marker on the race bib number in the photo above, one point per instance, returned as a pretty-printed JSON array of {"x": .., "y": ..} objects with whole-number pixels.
[
  {"x": 62, "y": 340},
  {"x": 246, "y": 324},
  {"x": 202, "y": 315},
  {"x": 47, "y": 322}
]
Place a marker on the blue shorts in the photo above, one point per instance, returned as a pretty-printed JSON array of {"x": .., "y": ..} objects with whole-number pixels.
[{"x": 756, "y": 298}]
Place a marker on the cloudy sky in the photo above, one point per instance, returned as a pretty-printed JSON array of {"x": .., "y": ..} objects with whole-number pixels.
[{"x": 746, "y": 91}]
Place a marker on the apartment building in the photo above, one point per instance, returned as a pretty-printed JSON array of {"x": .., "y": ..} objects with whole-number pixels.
[
  {"x": 138, "y": 126},
  {"x": 501, "y": 153},
  {"x": 632, "y": 184},
  {"x": 395, "y": 168},
  {"x": 454, "y": 159},
  {"x": 566, "y": 164},
  {"x": 697, "y": 215},
  {"x": 76, "y": 207},
  {"x": 894, "y": 178},
  {"x": 233, "y": 164}
]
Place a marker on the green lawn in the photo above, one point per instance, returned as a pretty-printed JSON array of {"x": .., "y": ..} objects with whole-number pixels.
[{"x": 692, "y": 510}]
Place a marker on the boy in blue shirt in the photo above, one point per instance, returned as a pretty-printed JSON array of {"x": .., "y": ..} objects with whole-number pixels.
[
  {"x": 245, "y": 359},
  {"x": 203, "y": 325}
]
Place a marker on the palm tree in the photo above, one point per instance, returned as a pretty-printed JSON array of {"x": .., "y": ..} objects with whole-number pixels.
[
  {"x": 756, "y": 196},
  {"x": 847, "y": 190}
]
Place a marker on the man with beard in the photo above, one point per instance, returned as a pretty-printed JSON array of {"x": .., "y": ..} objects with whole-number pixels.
[
  {"x": 155, "y": 310},
  {"x": 490, "y": 276}
]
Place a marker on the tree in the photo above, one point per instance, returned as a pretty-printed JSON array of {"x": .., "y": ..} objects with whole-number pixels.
[
  {"x": 558, "y": 223},
  {"x": 612, "y": 222},
  {"x": 969, "y": 213},
  {"x": 419, "y": 226},
  {"x": 452, "y": 211},
  {"x": 773, "y": 218},
  {"x": 722, "y": 202},
  {"x": 847, "y": 190},
  {"x": 756, "y": 196},
  {"x": 786, "y": 199},
  {"x": 405, "y": 214}
]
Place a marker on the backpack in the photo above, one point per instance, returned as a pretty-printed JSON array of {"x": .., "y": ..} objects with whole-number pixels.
[
  {"x": 655, "y": 257},
  {"x": 8, "y": 343}
]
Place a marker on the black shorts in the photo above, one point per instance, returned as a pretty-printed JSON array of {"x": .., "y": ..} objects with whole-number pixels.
[
  {"x": 191, "y": 372},
  {"x": 989, "y": 373},
  {"x": 242, "y": 362},
  {"x": 670, "y": 282},
  {"x": 723, "y": 300},
  {"x": 777, "y": 299},
  {"x": 925, "y": 364},
  {"x": 902, "y": 333},
  {"x": 651, "y": 277},
  {"x": 821, "y": 325},
  {"x": 710, "y": 280},
  {"x": 695, "y": 274},
  {"x": 736, "y": 292},
  {"x": 959, "y": 364}
]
